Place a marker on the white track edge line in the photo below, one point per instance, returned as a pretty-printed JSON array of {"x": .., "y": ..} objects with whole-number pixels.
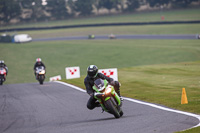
[
  {"x": 75, "y": 87},
  {"x": 144, "y": 103}
]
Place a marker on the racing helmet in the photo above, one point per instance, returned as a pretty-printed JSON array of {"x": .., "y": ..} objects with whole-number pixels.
[
  {"x": 1, "y": 61},
  {"x": 38, "y": 60},
  {"x": 92, "y": 71}
]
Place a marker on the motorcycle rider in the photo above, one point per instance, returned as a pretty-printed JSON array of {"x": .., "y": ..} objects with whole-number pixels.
[
  {"x": 2, "y": 64},
  {"x": 38, "y": 64},
  {"x": 92, "y": 75}
]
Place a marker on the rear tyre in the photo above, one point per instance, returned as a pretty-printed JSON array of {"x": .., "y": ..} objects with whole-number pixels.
[{"x": 111, "y": 105}]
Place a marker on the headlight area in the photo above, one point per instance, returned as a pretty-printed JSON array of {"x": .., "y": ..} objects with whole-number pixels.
[
  {"x": 108, "y": 90},
  {"x": 42, "y": 72}
]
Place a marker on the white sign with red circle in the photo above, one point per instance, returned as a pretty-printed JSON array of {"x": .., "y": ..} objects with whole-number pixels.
[
  {"x": 55, "y": 78},
  {"x": 72, "y": 72},
  {"x": 111, "y": 72}
]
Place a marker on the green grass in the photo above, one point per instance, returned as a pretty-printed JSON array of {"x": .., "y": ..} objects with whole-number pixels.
[
  {"x": 194, "y": 130},
  {"x": 57, "y": 55},
  {"x": 170, "y": 15},
  {"x": 163, "y": 82}
]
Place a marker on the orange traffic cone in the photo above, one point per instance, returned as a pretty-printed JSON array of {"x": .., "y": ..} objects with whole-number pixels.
[{"x": 184, "y": 97}]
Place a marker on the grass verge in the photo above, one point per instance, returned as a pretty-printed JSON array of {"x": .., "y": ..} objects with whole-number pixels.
[
  {"x": 170, "y": 15},
  {"x": 57, "y": 55}
]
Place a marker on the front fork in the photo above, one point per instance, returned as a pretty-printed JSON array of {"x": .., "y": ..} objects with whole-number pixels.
[
  {"x": 40, "y": 75},
  {"x": 3, "y": 77}
]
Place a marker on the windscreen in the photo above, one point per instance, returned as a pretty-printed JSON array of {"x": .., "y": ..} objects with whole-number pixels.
[{"x": 99, "y": 83}]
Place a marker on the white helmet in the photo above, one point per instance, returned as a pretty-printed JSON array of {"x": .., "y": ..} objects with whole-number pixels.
[
  {"x": 38, "y": 60},
  {"x": 1, "y": 61}
]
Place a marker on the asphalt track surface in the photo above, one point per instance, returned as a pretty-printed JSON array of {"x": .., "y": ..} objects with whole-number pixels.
[
  {"x": 101, "y": 37},
  {"x": 59, "y": 108}
]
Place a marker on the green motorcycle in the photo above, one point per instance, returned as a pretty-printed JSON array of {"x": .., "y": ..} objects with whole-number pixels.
[{"x": 107, "y": 97}]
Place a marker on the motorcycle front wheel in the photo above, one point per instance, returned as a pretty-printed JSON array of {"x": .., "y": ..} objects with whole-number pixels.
[
  {"x": 41, "y": 79},
  {"x": 112, "y": 106},
  {"x": 41, "y": 82},
  {"x": 1, "y": 81}
]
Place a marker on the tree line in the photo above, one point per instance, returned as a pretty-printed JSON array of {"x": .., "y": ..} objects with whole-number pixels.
[{"x": 38, "y": 10}]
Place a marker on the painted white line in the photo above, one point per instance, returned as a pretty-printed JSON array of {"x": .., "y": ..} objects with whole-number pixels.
[
  {"x": 144, "y": 103},
  {"x": 75, "y": 87}
]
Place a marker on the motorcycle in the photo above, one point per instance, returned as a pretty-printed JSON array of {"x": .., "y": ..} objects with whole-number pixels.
[
  {"x": 107, "y": 97},
  {"x": 2, "y": 75},
  {"x": 40, "y": 74}
]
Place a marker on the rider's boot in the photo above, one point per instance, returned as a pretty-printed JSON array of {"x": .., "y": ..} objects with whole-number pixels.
[
  {"x": 117, "y": 86},
  {"x": 118, "y": 92}
]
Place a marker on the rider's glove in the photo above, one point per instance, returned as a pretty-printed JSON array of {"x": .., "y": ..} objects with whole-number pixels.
[
  {"x": 112, "y": 83},
  {"x": 115, "y": 83}
]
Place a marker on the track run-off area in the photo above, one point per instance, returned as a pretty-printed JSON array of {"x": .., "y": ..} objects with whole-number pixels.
[{"x": 58, "y": 107}]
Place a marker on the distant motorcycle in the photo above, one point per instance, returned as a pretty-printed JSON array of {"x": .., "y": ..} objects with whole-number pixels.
[
  {"x": 40, "y": 74},
  {"x": 107, "y": 97},
  {"x": 2, "y": 75}
]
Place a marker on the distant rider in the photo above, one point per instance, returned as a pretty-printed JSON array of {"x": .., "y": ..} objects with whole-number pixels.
[
  {"x": 38, "y": 64},
  {"x": 2, "y": 64},
  {"x": 92, "y": 75}
]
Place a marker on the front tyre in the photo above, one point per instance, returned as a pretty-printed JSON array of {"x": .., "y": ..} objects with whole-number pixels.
[
  {"x": 112, "y": 106},
  {"x": 41, "y": 79},
  {"x": 41, "y": 82},
  {"x": 121, "y": 113},
  {"x": 1, "y": 81}
]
